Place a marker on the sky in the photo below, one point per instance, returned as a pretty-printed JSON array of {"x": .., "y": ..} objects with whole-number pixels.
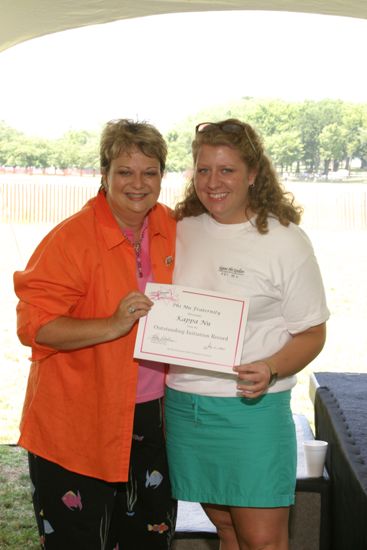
[{"x": 165, "y": 68}]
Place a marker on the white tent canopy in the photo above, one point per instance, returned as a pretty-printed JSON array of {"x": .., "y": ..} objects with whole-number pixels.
[{"x": 22, "y": 20}]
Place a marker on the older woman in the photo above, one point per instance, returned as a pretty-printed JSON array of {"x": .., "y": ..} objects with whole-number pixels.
[
  {"x": 230, "y": 437},
  {"x": 92, "y": 417}
]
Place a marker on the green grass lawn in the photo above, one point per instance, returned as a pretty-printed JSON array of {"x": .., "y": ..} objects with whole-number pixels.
[{"x": 17, "y": 524}]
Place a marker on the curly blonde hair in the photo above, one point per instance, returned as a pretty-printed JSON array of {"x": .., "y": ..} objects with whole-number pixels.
[{"x": 266, "y": 196}]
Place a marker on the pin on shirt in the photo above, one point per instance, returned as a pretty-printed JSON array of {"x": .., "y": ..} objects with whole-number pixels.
[{"x": 168, "y": 260}]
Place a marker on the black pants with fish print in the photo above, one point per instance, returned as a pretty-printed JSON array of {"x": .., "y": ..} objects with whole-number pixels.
[{"x": 76, "y": 512}]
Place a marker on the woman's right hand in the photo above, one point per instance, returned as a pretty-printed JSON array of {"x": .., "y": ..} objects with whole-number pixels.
[
  {"x": 133, "y": 306},
  {"x": 68, "y": 333}
]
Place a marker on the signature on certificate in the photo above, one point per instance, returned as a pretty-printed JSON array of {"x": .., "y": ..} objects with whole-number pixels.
[
  {"x": 210, "y": 346},
  {"x": 162, "y": 340}
]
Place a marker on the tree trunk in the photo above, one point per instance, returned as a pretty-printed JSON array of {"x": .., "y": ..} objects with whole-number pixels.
[{"x": 326, "y": 166}]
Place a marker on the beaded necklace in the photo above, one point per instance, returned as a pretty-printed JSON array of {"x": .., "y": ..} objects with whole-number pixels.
[{"x": 137, "y": 246}]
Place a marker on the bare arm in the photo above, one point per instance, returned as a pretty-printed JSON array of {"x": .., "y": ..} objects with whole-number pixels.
[
  {"x": 292, "y": 358},
  {"x": 67, "y": 333}
]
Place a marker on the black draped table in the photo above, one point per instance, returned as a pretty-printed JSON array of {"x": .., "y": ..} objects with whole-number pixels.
[{"x": 340, "y": 401}]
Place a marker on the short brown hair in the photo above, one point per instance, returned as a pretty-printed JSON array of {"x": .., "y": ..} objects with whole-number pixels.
[{"x": 123, "y": 135}]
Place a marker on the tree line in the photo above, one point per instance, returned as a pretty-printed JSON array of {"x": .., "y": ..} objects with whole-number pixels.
[
  {"x": 309, "y": 136},
  {"x": 314, "y": 136},
  {"x": 75, "y": 149}
]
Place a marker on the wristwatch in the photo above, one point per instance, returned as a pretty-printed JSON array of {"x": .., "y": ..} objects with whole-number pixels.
[{"x": 273, "y": 376}]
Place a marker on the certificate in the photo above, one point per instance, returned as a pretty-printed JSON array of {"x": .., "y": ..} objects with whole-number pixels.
[{"x": 192, "y": 327}]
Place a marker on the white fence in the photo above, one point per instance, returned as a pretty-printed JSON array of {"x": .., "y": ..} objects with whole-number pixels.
[
  {"x": 50, "y": 199},
  {"x": 332, "y": 205}
]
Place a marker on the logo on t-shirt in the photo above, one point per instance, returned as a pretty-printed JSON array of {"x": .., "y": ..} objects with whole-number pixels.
[{"x": 231, "y": 272}]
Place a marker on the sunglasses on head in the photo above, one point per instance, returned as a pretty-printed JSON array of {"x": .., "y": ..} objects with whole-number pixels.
[{"x": 227, "y": 127}]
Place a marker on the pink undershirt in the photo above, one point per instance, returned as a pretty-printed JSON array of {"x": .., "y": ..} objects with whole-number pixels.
[{"x": 151, "y": 374}]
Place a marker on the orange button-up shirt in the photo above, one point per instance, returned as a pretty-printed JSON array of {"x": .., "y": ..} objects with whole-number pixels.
[{"x": 79, "y": 404}]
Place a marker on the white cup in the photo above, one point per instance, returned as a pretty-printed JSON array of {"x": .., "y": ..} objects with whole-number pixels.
[{"x": 315, "y": 454}]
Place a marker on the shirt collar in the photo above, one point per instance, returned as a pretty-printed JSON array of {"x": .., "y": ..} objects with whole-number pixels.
[{"x": 110, "y": 229}]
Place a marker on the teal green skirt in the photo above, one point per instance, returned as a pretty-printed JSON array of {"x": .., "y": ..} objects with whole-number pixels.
[{"x": 231, "y": 451}]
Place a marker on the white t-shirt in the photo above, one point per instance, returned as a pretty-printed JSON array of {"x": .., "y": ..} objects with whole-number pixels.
[{"x": 277, "y": 272}]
